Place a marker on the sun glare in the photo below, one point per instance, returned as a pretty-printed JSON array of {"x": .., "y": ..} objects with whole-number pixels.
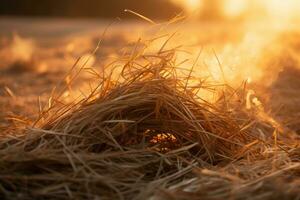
[
  {"x": 189, "y": 5},
  {"x": 283, "y": 9},
  {"x": 233, "y": 8},
  {"x": 274, "y": 9},
  {"x": 192, "y": 4}
]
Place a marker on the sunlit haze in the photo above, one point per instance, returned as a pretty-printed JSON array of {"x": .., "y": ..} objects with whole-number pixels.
[
  {"x": 189, "y": 5},
  {"x": 276, "y": 9},
  {"x": 149, "y": 99}
]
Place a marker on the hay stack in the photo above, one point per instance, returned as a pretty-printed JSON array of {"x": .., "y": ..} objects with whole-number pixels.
[{"x": 146, "y": 134}]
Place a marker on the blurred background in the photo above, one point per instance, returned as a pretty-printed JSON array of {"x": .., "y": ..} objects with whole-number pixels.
[
  {"x": 253, "y": 40},
  {"x": 154, "y": 9},
  {"x": 88, "y": 8}
]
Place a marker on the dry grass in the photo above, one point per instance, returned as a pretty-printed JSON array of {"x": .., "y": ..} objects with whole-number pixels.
[{"x": 148, "y": 135}]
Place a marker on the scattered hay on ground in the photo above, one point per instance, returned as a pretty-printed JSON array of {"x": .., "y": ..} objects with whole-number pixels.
[{"x": 149, "y": 135}]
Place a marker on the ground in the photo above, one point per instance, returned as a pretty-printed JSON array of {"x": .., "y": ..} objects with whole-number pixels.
[
  {"x": 158, "y": 143},
  {"x": 53, "y": 46}
]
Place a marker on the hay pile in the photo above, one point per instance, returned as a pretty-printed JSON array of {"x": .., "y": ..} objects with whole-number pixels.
[{"x": 149, "y": 135}]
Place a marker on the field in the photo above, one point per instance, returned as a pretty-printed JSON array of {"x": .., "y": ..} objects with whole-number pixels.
[{"x": 93, "y": 109}]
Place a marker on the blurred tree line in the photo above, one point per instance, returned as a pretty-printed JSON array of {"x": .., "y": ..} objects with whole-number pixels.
[{"x": 162, "y": 9}]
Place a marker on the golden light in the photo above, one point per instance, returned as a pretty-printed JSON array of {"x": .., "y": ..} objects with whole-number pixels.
[
  {"x": 259, "y": 22},
  {"x": 275, "y": 9},
  {"x": 193, "y": 4},
  {"x": 279, "y": 9},
  {"x": 189, "y": 5},
  {"x": 234, "y": 8}
]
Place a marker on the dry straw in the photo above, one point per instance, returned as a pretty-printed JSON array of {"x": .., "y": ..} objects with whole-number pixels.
[{"x": 147, "y": 134}]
